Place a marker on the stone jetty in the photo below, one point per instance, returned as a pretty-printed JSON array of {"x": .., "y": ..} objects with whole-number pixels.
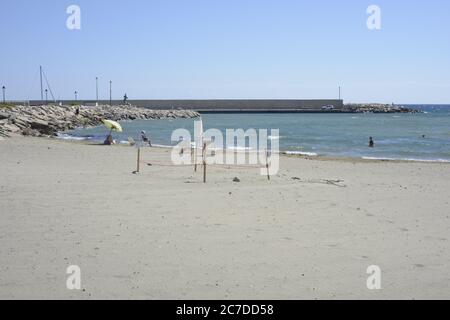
[
  {"x": 377, "y": 108},
  {"x": 49, "y": 120}
]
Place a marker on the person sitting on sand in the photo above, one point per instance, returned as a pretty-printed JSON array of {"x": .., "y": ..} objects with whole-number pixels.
[
  {"x": 145, "y": 138},
  {"x": 371, "y": 143},
  {"x": 109, "y": 140}
]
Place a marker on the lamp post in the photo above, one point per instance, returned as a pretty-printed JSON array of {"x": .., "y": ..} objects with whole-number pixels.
[
  {"x": 4, "y": 94},
  {"x": 339, "y": 92},
  {"x": 110, "y": 93},
  {"x": 42, "y": 91},
  {"x": 46, "y": 97},
  {"x": 96, "y": 88},
  {"x": 76, "y": 96}
]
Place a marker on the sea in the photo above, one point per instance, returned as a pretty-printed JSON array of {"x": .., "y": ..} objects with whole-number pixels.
[{"x": 411, "y": 136}]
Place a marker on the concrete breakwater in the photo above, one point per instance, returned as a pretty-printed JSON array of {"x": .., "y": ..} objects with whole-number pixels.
[
  {"x": 225, "y": 105},
  {"x": 48, "y": 120},
  {"x": 256, "y": 106}
]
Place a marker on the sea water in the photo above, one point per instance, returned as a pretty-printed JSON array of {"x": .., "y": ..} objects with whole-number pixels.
[{"x": 421, "y": 136}]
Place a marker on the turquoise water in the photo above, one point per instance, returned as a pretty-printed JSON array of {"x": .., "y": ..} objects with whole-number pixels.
[{"x": 397, "y": 136}]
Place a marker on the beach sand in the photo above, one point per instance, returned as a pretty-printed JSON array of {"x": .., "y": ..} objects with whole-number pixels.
[{"x": 163, "y": 234}]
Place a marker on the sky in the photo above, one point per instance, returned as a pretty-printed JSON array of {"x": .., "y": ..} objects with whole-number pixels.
[{"x": 228, "y": 49}]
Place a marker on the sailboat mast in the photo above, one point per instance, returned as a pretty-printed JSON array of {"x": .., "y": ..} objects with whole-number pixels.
[{"x": 42, "y": 90}]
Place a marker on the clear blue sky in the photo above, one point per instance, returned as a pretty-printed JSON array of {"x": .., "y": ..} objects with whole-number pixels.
[{"x": 281, "y": 49}]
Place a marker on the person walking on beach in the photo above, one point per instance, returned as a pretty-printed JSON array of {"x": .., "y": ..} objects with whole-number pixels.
[
  {"x": 145, "y": 139},
  {"x": 125, "y": 98},
  {"x": 371, "y": 143}
]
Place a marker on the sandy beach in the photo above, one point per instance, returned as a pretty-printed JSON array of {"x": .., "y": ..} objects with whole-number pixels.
[{"x": 163, "y": 234}]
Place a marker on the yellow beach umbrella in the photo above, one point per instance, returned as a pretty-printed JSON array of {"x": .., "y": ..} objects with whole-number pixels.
[{"x": 112, "y": 125}]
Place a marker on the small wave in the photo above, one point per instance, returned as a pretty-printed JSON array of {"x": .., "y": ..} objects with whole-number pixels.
[
  {"x": 238, "y": 148},
  {"x": 406, "y": 159},
  {"x": 64, "y": 136},
  {"x": 301, "y": 153},
  {"x": 162, "y": 146},
  {"x": 274, "y": 137}
]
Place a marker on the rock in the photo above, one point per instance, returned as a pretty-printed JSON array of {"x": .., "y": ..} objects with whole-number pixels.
[
  {"x": 4, "y": 115},
  {"x": 42, "y": 126},
  {"x": 11, "y": 128},
  {"x": 4, "y": 134},
  {"x": 22, "y": 125},
  {"x": 38, "y": 124},
  {"x": 30, "y": 132}
]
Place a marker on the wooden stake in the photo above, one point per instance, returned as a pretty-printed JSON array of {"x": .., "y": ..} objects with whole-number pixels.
[
  {"x": 267, "y": 165},
  {"x": 138, "y": 159},
  {"x": 195, "y": 157},
  {"x": 204, "y": 162},
  {"x": 204, "y": 171},
  {"x": 204, "y": 151}
]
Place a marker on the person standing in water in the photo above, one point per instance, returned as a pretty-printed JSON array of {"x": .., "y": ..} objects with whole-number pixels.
[{"x": 371, "y": 143}]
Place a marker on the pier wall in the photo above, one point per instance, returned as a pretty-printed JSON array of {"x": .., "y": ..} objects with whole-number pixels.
[{"x": 226, "y": 105}]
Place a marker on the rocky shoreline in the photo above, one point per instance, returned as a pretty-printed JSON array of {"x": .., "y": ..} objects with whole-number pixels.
[
  {"x": 377, "y": 108},
  {"x": 47, "y": 121}
]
